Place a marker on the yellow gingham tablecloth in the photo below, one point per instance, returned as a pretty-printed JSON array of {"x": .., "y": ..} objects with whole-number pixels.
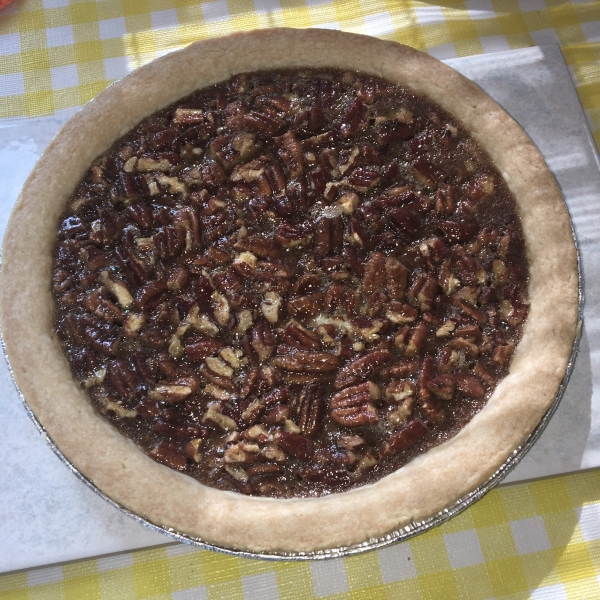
[{"x": 539, "y": 540}]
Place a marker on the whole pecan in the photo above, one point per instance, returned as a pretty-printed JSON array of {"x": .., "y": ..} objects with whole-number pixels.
[
  {"x": 416, "y": 339},
  {"x": 484, "y": 375},
  {"x": 423, "y": 290},
  {"x": 266, "y": 126},
  {"x": 466, "y": 267},
  {"x": 221, "y": 381},
  {"x": 328, "y": 236},
  {"x": 259, "y": 246},
  {"x": 146, "y": 298},
  {"x": 169, "y": 241},
  {"x": 181, "y": 430},
  {"x": 431, "y": 407},
  {"x": 338, "y": 296},
  {"x": 401, "y": 369},
  {"x": 306, "y": 283},
  {"x": 250, "y": 382},
  {"x": 174, "y": 391}
]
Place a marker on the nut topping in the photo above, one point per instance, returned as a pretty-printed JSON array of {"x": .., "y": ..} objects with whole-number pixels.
[{"x": 291, "y": 283}]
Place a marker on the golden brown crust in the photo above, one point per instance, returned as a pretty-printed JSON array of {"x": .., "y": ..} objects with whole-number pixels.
[{"x": 169, "y": 499}]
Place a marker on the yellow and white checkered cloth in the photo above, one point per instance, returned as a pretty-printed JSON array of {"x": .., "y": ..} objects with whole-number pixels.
[{"x": 539, "y": 540}]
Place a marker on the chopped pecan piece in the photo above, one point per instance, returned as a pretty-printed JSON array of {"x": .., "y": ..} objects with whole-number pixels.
[
  {"x": 117, "y": 288},
  {"x": 270, "y": 306},
  {"x": 242, "y": 452},
  {"x": 401, "y": 313},
  {"x": 399, "y": 391},
  {"x": 215, "y": 416},
  {"x": 502, "y": 353}
]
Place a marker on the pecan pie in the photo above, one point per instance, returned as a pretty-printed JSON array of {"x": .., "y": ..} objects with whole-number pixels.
[
  {"x": 291, "y": 283},
  {"x": 317, "y": 285}
]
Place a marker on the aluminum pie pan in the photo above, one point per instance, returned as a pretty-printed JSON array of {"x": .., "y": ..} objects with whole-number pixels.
[{"x": 399, "y": 535}]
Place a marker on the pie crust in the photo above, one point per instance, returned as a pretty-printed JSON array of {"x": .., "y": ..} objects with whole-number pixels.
[{"x": 229, "y": 520}]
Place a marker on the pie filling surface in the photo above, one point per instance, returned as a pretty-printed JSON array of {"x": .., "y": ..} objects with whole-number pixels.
[{"x": 292, "y": 283}]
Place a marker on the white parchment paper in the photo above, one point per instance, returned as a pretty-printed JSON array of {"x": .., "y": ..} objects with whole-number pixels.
[{"x": 47, "y": 515}]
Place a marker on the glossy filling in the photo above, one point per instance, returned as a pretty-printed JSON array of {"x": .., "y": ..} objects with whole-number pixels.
[{"x": 291, "y": 283}]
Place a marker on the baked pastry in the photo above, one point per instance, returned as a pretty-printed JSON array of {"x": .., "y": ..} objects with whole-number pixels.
[{"x": 364, "y": 395}]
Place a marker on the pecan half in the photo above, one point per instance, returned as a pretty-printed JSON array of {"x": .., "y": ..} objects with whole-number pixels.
[
  {"x": 396, "y": 278},
  {"x": 299, "y": 336},
  {"x": 374, "y": 274},
  {"x": 102, "y": 308},
  {"x": 300, "y": 360},
  {"x": 469, "y": 385},
  {"x": 263, "y": 341},
  {"x": 295, "y": 444},
  {"x": 310, "y": 409},
  {"x": 353, "y": 406},
  {"x": 362, "y": 368},
  {"x": 122, "y": 377},
  {"x": 405, "y": 437}
]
